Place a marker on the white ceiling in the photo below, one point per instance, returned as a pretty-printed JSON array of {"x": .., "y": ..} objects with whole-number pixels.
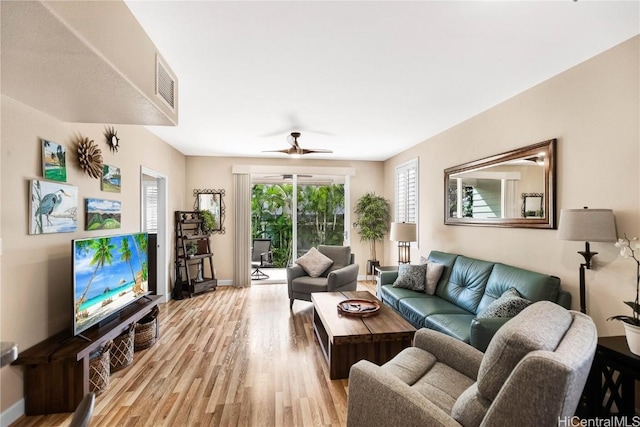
[{"x": 364, "y": 79}]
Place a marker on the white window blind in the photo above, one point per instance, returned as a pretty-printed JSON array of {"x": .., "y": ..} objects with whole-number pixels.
[
  {"x": 407, "y": 192},
  {"x": 150, "y": 207}
]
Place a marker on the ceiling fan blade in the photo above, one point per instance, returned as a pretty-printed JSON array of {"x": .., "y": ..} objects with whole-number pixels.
[
  {"x": 316, "y": 150},
  {"x": 285, "y": 151},
  {"x": 295, "y": 148}
]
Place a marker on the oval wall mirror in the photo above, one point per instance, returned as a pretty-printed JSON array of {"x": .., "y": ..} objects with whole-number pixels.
[{"x": 513, "y": 189}]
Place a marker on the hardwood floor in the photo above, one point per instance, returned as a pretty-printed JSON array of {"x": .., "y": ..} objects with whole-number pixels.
[{"x": 230, "y": 357}]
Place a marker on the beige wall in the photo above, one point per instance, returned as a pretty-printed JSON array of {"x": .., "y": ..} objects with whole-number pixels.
[
  {"x": 593, "y": 111},
  {"x": 35, "y": 296},
  {"x": 215, "y": 173}
]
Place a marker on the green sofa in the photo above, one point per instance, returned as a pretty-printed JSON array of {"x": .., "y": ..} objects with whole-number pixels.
[{"x": 466, "y": 286}]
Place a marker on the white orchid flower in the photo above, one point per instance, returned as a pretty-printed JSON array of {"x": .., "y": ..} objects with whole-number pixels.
[
  {"x": 622, "y": 243},
  {"x": 627, "y": 248}
]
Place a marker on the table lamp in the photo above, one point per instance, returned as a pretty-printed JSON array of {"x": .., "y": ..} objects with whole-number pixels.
[
  {"x": 588, "y": 225},
  {"x": 404, "y": 233}
]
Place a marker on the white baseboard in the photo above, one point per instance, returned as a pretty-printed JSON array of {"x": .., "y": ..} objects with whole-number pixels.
[{"x": 12, "y": 414}]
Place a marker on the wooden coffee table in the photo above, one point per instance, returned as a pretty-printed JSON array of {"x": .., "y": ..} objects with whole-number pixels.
[{"x": 345, "y": 340}]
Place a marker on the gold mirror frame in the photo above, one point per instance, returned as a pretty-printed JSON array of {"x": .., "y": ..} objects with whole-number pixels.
[{"x": 503, "y": 165}]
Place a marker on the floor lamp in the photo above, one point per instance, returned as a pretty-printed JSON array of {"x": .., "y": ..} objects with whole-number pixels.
[
  {"x": 404, "y": 233},
  {"x": 587, "y": 225}
]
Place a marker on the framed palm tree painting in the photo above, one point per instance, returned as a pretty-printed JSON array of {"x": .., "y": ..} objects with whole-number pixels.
[{"x": 54, "y": 161}]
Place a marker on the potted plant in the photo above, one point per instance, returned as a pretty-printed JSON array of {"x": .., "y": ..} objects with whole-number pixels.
[
  {"x": 373, "y": 217},
  {"x": 192, "y": 248},
  {"x": 631, "y": 323}
]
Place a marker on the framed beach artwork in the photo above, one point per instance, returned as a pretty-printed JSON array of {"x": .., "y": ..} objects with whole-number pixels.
[
  {"x": 110, "y": 179},
  {"x": 102, "y": 214},
  {"x": 54, "y": 161},
  {"x": 53, "y": 207}
]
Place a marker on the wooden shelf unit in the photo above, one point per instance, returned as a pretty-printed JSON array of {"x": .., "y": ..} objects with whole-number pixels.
[
  {"x": 56, "y": 373},
  {"x": 191, "y": 276}
]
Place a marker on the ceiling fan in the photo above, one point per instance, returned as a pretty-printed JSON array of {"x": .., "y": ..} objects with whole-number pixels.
[{"x": 295, "y": 148}]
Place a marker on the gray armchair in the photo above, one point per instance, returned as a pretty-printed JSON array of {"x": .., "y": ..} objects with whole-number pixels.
[
  {"x": 532, "y": 374},
  {"x": 342, "y": 275}
]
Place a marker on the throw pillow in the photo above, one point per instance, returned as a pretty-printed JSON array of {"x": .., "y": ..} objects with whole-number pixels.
[
  {"x": 434, "y": 271},
  {"x": 314, "y": 263},
  {"x": 411, "y": 277},
  {"x": 509, "y": 304}
]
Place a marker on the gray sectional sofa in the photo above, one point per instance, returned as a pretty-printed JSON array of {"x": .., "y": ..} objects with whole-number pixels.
[{"x": 465, "y": 288}]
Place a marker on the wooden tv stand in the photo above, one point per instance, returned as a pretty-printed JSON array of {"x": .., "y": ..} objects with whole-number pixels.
[{"x": 56, "y": 375}]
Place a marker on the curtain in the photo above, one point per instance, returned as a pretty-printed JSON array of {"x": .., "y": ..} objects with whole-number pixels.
[
  {"x": 242, "y": 215},
  {"x": 511, "y": 208}
]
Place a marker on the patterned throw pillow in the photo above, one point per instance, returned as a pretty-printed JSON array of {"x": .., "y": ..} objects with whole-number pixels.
[
  {"x": 434, "y": 271},
  {"x": 411, "y": 277},
  {"x": 509, "y": 304},
  {"x": 314, "y": 263}
]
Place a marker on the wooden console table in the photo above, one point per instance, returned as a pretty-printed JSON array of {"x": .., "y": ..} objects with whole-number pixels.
[{"x": 56, "y": 376}]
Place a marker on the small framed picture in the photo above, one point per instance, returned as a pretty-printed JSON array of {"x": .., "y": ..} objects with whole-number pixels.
[
  {"x": 102, "y": 214},
  {"x": 111, "y": 179},
  {"x": 53, "y": 207},
  {"x": 54, "y": 161}
]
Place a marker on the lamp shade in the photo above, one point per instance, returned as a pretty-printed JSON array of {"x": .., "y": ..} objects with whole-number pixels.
[
  {"x": 587, "y": 225},
  {"x": 403, "y": 232}
]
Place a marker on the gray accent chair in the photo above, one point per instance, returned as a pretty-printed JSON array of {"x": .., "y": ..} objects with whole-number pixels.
[
  {"x": 532, "y": 374},
  {"x": 341, "y": 275},
  {"x": 83, "y": 412}
]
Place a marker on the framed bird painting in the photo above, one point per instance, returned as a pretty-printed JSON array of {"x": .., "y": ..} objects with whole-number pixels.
[{"x": 53, "y": 207}]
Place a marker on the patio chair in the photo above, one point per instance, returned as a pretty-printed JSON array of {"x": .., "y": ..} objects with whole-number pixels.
[{"x": 261, "y": 258}]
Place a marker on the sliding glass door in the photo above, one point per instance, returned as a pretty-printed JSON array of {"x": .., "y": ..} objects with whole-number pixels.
[
  {"x": 319, "y": 215},
  {"x": 299, "y": 211}
]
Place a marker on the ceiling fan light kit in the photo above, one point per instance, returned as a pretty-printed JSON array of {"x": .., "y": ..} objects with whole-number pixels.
[{"x": 295, "y": 150}]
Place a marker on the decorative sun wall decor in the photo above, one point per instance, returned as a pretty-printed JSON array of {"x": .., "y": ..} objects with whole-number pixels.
[
  {"x": 90, "y": 157},
  {"x": 112, "y": 139}
]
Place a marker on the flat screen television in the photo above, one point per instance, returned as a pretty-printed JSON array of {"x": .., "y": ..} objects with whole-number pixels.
[{"x": 109, "y": 273}]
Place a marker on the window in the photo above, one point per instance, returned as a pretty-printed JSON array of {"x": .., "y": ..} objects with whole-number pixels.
[
  {"x": 150, "y": 206},
  {"x": 407, "y": 192}
]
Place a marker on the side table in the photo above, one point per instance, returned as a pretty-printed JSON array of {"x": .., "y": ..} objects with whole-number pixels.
[
  {"x": 380, "y": 270},
  {"x": 371, "y": 269},
  {"x": 610, "y": 388}
]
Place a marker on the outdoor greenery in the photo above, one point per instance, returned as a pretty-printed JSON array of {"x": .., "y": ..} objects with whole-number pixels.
[
  {"x": 373, "y": 218},
  {"x": 467, "y": 202},
  {"x": 320, "y": 217}
]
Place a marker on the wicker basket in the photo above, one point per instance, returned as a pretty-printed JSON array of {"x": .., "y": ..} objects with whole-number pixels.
[
  {"x": 122, "y": 349},
  {"x": 147, "y": 330},
  {"x": 99, "y": 372}
]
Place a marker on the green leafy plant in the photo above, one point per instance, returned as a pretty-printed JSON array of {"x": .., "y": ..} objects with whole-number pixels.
[
  {"x": 373, "y": 218},
  {"x": 208, "y": 220},
  {"x": 192, "y": 248},
  {"x": 628, "y": 248}
]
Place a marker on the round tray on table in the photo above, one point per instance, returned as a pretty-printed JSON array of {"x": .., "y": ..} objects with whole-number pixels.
[{"x": 358, "y": 307}]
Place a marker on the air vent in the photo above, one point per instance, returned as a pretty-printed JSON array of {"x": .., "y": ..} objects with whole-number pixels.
[{"x": 165, "y": 83}]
